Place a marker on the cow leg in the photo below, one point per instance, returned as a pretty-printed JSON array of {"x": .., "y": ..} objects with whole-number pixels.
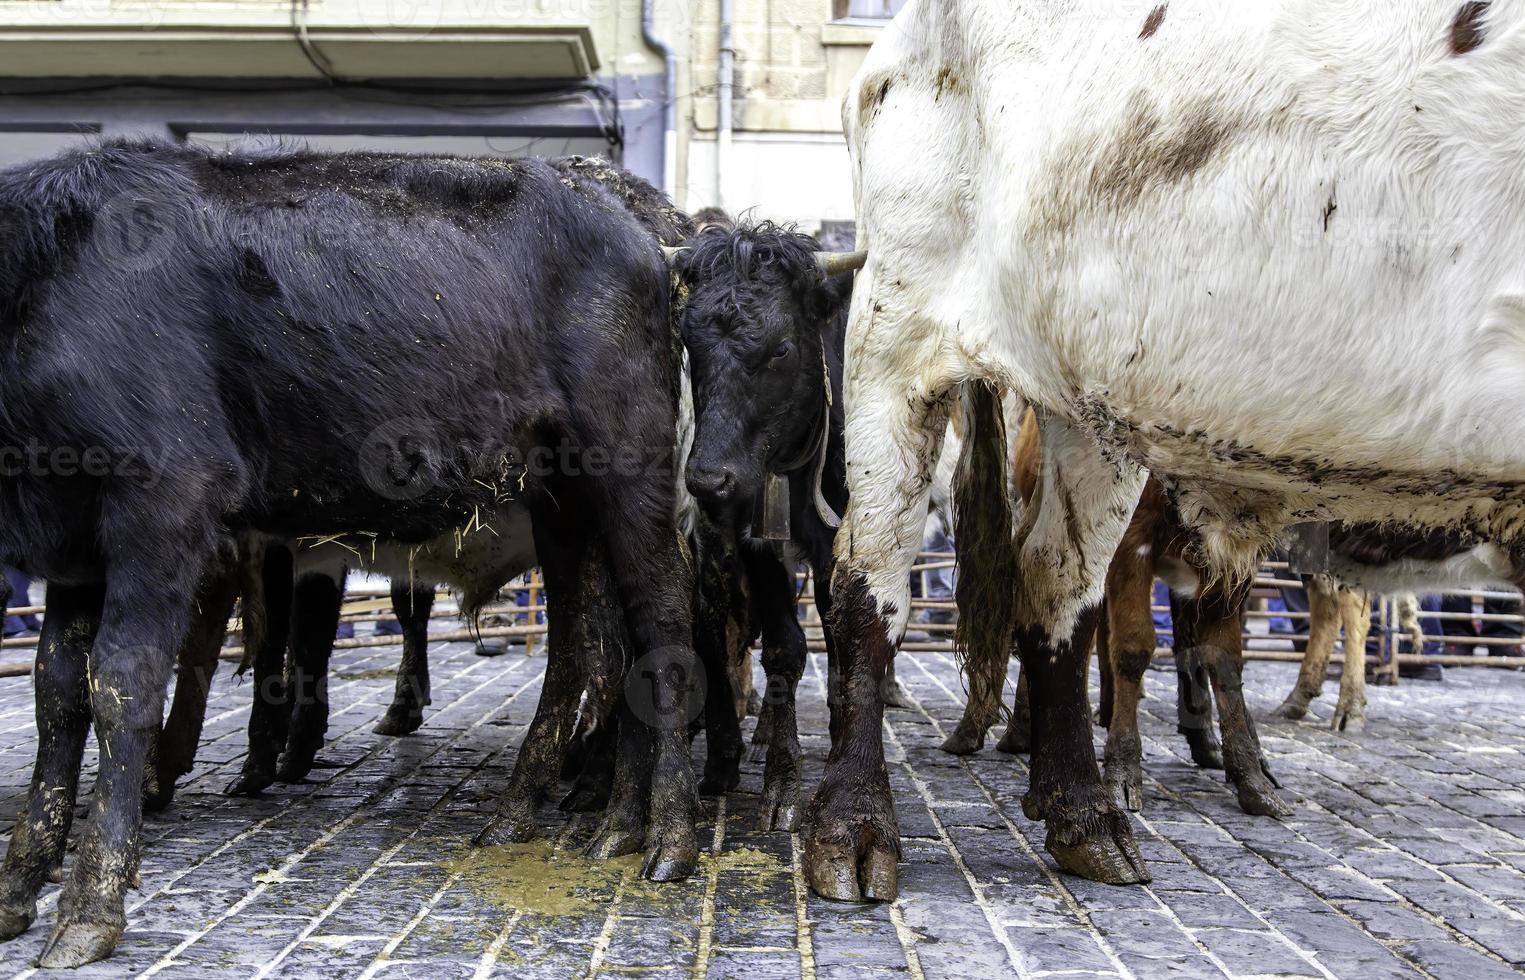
[
  {"x": 1125, "y": 654},
  {"x": 1018, "y": 739},
  {"x": 784, "y": 654},
  {"x": 1355, "y": 612},
  {"x": 593, "y": 777},
  {"x": 1217, "y": 626},
  {"x": 270, "y": 715},
  {"x": 412, "y": 604},
  {"x": 1194, "y": 697},
  {"x": 1106, "y": 670},
  {"x": 712, "y": 614},
  {"x": 314, "y": 621},
  {"x": 851, "y": 835},
  {"x": 623, "y": 828},
  {"x": 62, "y": 696},
  {"x": 579, "y": 614},
  {"x": 1323, "y": 630},
  {"x": 1083, "y": 503},
  {"x": 175, "y": 752},
  {"x": 143, "y": 624}
]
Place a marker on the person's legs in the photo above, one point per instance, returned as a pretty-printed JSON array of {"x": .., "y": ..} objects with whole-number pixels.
[
  {"x": 1494, "y": 630},
  {"x": 1464, "y": 630}
]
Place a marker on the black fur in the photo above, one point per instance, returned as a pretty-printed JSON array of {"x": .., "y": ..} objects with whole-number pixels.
[
  {"x": 765, "y": 330},
  {"x": 303, "y": 343}
]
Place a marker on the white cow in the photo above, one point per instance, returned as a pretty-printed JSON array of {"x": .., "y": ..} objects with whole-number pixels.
[{"x": 1174, "y": 228}]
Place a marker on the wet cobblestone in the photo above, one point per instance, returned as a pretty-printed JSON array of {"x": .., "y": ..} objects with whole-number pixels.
[{"x": 1405, "y": 857}]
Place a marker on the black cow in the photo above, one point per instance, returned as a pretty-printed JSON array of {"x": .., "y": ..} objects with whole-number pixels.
[
  {"x": 764, "y": 325},
  {"x": 197, "y": 344}
]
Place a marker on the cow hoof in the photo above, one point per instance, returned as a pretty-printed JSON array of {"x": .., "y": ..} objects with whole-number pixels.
[
  {"x": 158, "y": 795},
  {"x": 250, "y": 782},
  {"x": 491, "y": 649},
  {"x": 16, "y": 919},
  {"x": 56, "y": 874},
  {"x": 1259, "y": 798},
  {"x": 895, "y": 696},
  {"x": 1294, "y": 708},
  {"x": 754, "y": 704},
  {"x": 836, "y": 872},
  {"x": 1205, "y": 750},
  {"x": 615, "y": 841},
  {"x": 1109, "y": 855},
  {"x": 507, "y": 828},
  {"x": 718, "y": 785},
  {"x": 852, "y": 842},
  {"x": 1128, "y": 790},
  {"x": 671, "y": 862},
  {"x": 295, "y": 765},
  {"x": 74, "y": 944},
  {"x": 584, "y": 798},
  {"x": 963, "y": 742},
  {"x": 1015, "y": 741},
  {"x": 781, "y": 804},
  {"x": 399, "y": 721},
  {"x": 1350, "y": 721}
]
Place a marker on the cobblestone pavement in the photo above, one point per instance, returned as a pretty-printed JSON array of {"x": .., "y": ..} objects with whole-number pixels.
[{"x": 1406, "y": 856}]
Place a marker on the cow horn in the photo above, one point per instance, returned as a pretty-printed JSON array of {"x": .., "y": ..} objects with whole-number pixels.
[
  {"x": 671, "y": 254},
  {"x": 836, "y": 263}
]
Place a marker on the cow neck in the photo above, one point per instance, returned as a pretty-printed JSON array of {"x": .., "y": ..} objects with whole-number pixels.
[{"x": 815, "y": 452}]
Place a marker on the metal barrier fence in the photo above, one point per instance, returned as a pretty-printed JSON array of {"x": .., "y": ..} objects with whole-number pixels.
[{"x": 521, "y": 617}]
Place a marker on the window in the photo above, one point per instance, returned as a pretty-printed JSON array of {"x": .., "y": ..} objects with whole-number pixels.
[{"x": 870, "y": 9}]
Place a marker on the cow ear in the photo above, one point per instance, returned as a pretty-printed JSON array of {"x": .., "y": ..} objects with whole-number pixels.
[{"x": 833, "y": 296}]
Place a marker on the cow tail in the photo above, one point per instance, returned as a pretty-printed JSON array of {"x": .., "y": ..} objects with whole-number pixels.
[{"x": 982, "y": 535}]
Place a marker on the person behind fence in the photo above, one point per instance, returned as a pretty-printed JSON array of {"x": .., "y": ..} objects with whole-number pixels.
[
  {"x": 939, "y": 582},
  {"x": 20, "y": 586},
  {"x": 1461, "y": 633}
]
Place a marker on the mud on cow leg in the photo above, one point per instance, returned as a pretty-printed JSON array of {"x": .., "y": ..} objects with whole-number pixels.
[
  {"x": 1070, "y": 533},
  {"x": 316, "y": 601},
  {"x": 581, "y": 615},
  {"x": 267, "y": 627},
  {"x": 1355, "y": 613},
  {"x": 175, "y": 752},
  {"x": 37, "y": 844},
  {"x": 1018, "y": 739},
  {"x": 1323, "y": 630},
  {"x": 851, "y": 836},
  {"x": 784, "y": 654},
  {"x": 1194, "y": 709},
  {"x": 1213, "y": 621},
  {"x": 1126, "y": 650},
  {"x": 143, "y": 623},
  {"x": 411, "y": 604},
  {"x": 717, "y": 595}
]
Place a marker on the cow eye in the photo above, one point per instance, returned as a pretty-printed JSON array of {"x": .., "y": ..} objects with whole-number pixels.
[{"x": 783, "y": 351}]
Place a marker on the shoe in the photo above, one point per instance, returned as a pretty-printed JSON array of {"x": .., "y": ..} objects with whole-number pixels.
[{"x": 1422, "y": 672}]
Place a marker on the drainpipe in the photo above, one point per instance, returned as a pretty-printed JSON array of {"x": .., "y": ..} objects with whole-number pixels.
[
  {"x": 670, "y": 96},
  {"x": 727, "y": 98}
]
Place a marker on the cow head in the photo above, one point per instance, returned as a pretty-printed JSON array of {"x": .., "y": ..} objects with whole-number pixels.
[{"x": 761, "y": 309}]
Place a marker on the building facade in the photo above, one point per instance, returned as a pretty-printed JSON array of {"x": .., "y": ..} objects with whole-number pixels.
[{"x": 500, "y": 77}]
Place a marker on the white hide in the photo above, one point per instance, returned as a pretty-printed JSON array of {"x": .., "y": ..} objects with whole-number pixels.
[
  {"x": 1275, "y": 241},
  {"x": 475, "y": 563}
]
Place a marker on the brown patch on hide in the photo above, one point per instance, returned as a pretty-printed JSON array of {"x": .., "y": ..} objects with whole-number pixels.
[
  {"x": 1149, "y": 152},
  {"x": 947, "y": 82},
  {"x": 1153, "y": 22},
  {"x": 1467, "y": 32}
]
